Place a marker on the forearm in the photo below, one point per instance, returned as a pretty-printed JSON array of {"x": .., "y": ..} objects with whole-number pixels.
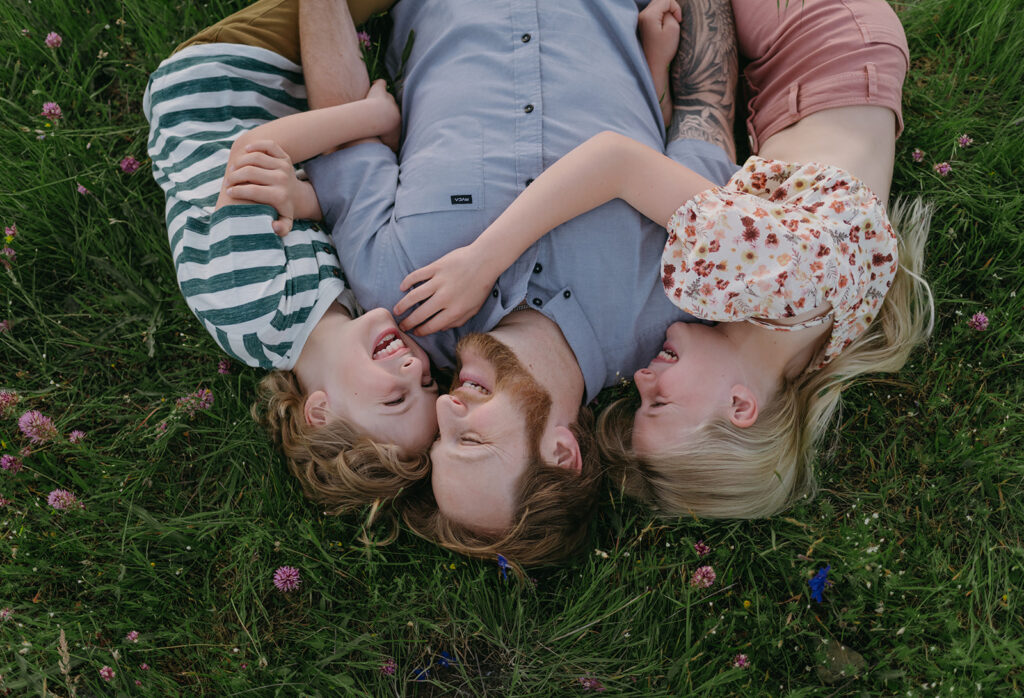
[
  {"x": 606, "y": 167},
  {"x": 307, "y": 134},
  {"x": 704, "y": 74},
  {"x": 307, "y": 206},
  {"x": 661, "y": 89}
]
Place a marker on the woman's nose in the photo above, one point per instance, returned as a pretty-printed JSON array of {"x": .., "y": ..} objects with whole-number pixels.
[{"x": 451, "y": 405}]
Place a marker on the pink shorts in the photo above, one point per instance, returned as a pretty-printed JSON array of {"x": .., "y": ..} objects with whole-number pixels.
[{"x": 809, "y": 55}]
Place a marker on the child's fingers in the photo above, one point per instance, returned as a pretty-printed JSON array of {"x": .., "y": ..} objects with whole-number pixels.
[
  {"x": 253, "y": 175},
  {"x": 676, "y": 11},
  {"x": 267, "y": 146},
  {"x": 417, "y": 295},
  {"x": 420, "y": 315},
  {"x": 258, "y": 158},
  {"x": 440, "y": 322},
  {"x": 282, "y": 226},
  {"x": 416, "y": 276},
  {"x": 256, "y": 193}
]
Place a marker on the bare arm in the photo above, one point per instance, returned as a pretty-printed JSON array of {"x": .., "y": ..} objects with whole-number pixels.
[
  {"x": 704, "y": 73},
  {"x": 606, "y": 167}
]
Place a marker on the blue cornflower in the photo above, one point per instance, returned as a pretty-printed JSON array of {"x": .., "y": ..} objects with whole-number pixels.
[
  {"x": 503, "y": 566},
  {"x": 818, "y": 582},
  {"x": 445, "y": 660},
  {"x": 420, "y": 674}
]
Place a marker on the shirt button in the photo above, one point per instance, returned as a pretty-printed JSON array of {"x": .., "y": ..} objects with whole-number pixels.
[
  {"x": 537, "y": 268},
  {"x": 529, "y": 181},
  {"x": 526, "y": 38},
  {"x": 494, "y": 293},
  {"x": 528, "y": 108},
  {"x": 566, "y": 294},
  {"x": 538, "y": 302}
]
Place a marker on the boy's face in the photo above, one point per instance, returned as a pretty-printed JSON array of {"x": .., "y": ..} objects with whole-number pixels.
[{"x": 381, "y": 382}]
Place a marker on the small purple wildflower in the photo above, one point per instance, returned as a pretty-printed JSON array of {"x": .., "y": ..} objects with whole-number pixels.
[
  {"x": 224, "y": 367},
  {"x": 942, "y": 168},
  {"x": 364, "y": 39},
  {"x": 917, "y": 155},
  {"x": 76, "y": 436},
  {"x": 10, "y": 232},
  {"x": 132, "y": 636},
  {"x": 5, "y": 326},
  {"x": 591, "y": 684},
  {"x": 445, "y": 660},
  {"x": 107, "y": 674},
  {"x": 740, "y": 661},
  {"x": 82, "y": 190},
  {"x": 138, "y": 682},
  {"x": 420, "y": 674},
  {"x": 11, "y": 464},
  {"x": 144, "y": 666},
  {"x": 243, "y": 666},
  {"x": 964, "y": 141},
  {"x": 979, "y": 322},
  {"x": 6, "y": 613},
  {"x": 389, "y": 666},
  {"x": 7, "y": 257},
  {"x": 51, "y": 110},
  {"x": 26, "y": 32},
  {"x": 63, "y": 499},
  {"x": 503, "y": 566},
  {"x": 8, "y": 399},
  {"x": 53, "y": 40},
  {"x": 161, "y": 429},
  {"x": 818, "y": 583},
  {"x": 37, "y": 427},
  {"x": 4, "y": 501},
  {"x": 702, "y": 548},
  {"x": 201, "y": 399},
  {"x": 287, "y": 579},
  {"x": 704, "y": 577},
  {"x": 129, "y": 164}
]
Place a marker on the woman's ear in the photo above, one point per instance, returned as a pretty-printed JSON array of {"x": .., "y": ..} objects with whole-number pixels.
[
  {"x": 743, "y": 410},
  {"x": 316, "y": 408},
  {"x": 567, "y": 450}
]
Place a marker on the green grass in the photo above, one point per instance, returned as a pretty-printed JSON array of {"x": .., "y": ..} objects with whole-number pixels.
[{"x": 920, "y": 511}]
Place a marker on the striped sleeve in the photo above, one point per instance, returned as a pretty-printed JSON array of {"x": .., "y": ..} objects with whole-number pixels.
[{"x": 258, "y": 295}]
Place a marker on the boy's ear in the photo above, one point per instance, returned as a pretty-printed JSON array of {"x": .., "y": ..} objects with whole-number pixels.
[
  {"x": 316, "y": 408},
  {"x": 743, "y": 410},
  {"x": 567, "y": 450}
]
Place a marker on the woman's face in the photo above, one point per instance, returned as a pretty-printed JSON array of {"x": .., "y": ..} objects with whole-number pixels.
[
  {"x": 686, "y": 385},
  {"x": 381, "y": 382}
]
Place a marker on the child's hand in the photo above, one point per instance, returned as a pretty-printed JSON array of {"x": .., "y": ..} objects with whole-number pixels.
[
  {"x": 264, "y": 174},
  {"x": 379, "y": 90},
  {"x": 658, "y": 25},
  {"x": 451, "y": 290}
]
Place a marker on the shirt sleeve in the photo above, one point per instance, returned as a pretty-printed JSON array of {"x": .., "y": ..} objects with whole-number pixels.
[
  {"x": 356, "y": 188},
  {"x": 257, "y": 294}
]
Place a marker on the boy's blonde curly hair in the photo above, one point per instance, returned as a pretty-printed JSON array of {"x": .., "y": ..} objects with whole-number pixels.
[
  {"x": 723, "y": 471},
  {"x": 338, "y": 466}
]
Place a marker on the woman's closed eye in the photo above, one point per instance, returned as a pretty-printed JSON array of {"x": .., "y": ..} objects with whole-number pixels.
[
  {"x": 429, "y": 384},
  {"x": 470, "y": 441},
  {"x": 397, "y": 401}
]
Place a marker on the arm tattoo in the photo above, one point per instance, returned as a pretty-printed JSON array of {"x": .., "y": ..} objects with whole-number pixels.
[{"x": 703, "y": 75}]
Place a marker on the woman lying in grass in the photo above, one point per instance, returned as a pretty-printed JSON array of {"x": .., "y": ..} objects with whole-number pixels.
[
  {"x": 794, "y": 257},
  {"x": 352, "y": 400}
]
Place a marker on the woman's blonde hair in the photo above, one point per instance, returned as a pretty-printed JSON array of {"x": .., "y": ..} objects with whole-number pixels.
[
  {"x": 338, "y": 466},
  {"x": 723, "y": 471}
]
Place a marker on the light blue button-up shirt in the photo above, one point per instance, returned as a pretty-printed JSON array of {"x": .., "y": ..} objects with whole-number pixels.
[{"x": 492, "y": 94}]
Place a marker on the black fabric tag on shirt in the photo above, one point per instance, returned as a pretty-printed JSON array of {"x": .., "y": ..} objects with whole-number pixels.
[{"x": 462, "y": 199}]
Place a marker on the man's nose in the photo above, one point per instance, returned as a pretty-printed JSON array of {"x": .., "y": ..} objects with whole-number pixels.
[{"x": 450, "y": 405}]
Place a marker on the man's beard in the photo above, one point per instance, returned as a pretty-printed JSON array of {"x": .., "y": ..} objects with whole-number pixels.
[{"x": 533, "y": 401}]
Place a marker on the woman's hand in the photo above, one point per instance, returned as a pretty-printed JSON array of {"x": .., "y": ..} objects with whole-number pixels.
[
  {"x": 451, "y": 290},
  {"x": 264, "y": 174}
]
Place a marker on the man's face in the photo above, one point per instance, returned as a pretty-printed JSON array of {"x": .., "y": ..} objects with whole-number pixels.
[{"x": 490, "y": 429}]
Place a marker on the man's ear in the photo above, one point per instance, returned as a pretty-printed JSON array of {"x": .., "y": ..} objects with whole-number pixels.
[
  {"x": 743, "y": 410},
  {"x": 567, "y": 450},
  {"x": 316, "y": 408}
]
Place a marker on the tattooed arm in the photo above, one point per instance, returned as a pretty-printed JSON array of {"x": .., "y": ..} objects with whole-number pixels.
[{"x": 703, "y": 76}]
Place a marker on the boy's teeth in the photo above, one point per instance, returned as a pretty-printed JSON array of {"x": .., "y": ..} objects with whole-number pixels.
[
  {"x": 389, "y": 345},
  {"x": 667, "y": 354},
  {"x": 475, "y": 386}
]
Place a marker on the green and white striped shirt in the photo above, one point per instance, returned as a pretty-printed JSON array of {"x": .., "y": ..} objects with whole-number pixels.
[{"x": 257, "y": 294}]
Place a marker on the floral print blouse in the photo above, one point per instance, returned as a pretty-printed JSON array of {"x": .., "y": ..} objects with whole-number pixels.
[{"x": 778, "y": 240}]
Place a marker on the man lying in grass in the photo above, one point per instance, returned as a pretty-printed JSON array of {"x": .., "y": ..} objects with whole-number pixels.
[
  {"x": 351, "y": 401},
  {"x": 794, "y": 257}
]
